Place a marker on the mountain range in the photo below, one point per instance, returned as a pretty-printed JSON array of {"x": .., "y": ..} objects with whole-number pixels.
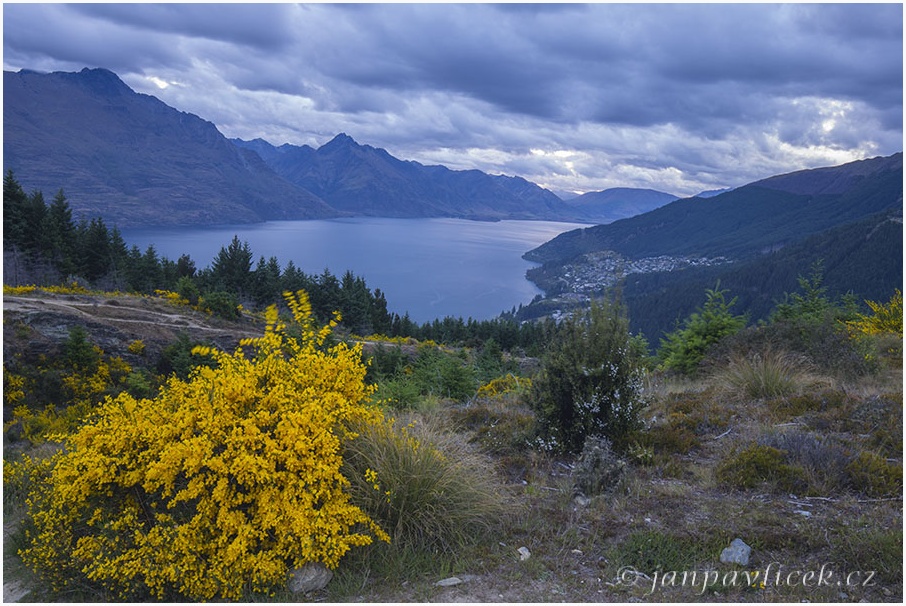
[
  {"x": 760, "y": 217},
  {"x": 755, "y": 241},
  {"x": 133, "y": 160},
  {"x": 364, "y": 180},
  {"x": 618, "y": 203}
]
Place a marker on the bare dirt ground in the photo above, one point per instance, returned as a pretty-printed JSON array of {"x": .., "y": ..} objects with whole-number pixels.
[{"x": 116, "y": 321}]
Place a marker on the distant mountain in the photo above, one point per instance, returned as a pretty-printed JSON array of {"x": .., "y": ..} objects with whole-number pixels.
[
  {"x": 753, "y": 219},
  {"x": 619, "y": 203},
  {"x": 132, "y": 159},
  {"x": 710, "y": 193},
  {"x": 566, "y": 196},
  {"x": 365, "y": 180}
]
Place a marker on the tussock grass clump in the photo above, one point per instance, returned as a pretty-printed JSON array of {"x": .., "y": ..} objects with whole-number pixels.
[
  {"x": 765, "y": 375},
  {"x": 424, "y": 486}
]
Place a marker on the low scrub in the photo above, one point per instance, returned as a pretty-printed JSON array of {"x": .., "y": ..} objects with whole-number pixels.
[
  {"x": 650, "y": 551},
  {"x": 806, "y": 464},
  {"x": 424, "y": 486},
  {"x": 759, "y": 465}
]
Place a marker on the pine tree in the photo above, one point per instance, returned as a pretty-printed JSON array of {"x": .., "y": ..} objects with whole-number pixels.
[{"x": 232, "y": 267}]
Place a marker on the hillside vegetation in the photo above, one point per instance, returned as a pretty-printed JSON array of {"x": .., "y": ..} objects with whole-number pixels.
[
  {"x": 587, "y": 474},
  {"x": 755, "y": 240}
]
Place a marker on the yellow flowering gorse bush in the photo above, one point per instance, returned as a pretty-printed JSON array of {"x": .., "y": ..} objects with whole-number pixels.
[{"x": 222, "y": 482}]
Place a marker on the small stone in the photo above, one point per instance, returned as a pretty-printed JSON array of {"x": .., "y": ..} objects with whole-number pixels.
[
  {"x": 524, "y": 554},
  {"x": 737, "y": 553},
  {"x": 311, "y": 577},
  {"x": 450, "y": 582},
  {"x": 804, "y": 513}
]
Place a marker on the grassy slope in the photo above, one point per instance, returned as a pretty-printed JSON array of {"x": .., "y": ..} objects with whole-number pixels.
[{"x": 669, "y": 511}]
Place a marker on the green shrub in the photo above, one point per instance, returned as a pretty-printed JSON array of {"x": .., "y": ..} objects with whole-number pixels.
[
  {"x": 177, "y": 358},
  {"x": 442, "y": 374},
  {"x": 684, "y": 349},
  {"x": 875, "y": 476},
  {"x": 221, "y": 304},
  {"x": 590, "y": 381},
  {"x": 427, "y": 489},
  {"x": 759, "y": 464},
  {"x": 401, "y": 393}
]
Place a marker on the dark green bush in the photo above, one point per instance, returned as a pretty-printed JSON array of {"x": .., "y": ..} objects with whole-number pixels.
[
  {"x": 759, "y": 464},
  {"x": 590, "y": 381},
  {"x": 443, "y": 374},
  {"x": 221, "y": 304},
  {"x": 875, "y": 476}
]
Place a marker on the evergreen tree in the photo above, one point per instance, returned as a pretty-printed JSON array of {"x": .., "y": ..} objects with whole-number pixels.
[
  {"x": 266, "y": 282},
  {"x": 14, "y": 202},
  {"x": 232, "y": 267},
  {"x": 685, "y": 348},
  {"x": 58, "y": 235},
  {"x": 94, "y": 249},
  {"x": 185, "y": 266}
]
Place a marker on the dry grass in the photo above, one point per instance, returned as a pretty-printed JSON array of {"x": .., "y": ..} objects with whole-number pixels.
[
  {"x": 768, "y": 374},
  {"x": 671, "y": 512}
]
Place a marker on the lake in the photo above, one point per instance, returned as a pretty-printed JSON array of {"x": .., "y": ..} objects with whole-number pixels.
[{"x": 430, "y": 268}]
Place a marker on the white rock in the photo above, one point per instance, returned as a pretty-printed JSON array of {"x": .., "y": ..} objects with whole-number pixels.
[
  {"x": 311, "y": 577},
  {"x": 524, "y": 554},
  {"x": 737, "y": 553},
  {"x": 449, "y": 582}
]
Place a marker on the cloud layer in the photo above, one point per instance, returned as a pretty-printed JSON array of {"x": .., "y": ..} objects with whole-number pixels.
[{"x": 676, "y": 97}]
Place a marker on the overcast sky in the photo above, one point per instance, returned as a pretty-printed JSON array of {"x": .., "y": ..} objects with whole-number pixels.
[{"x": 679, "y": 98}]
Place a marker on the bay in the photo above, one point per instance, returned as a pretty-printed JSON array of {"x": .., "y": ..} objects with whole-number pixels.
[{"x": 430, "y": 268}]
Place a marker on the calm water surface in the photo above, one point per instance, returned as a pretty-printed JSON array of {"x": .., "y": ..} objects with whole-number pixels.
[{"x": 431, "y": 268}]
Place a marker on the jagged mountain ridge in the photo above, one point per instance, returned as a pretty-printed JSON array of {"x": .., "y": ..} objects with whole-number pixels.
[
  {"x": 365, "y": 180},
  {"x": 756, "y": 218},
  {"x": 133, "y": 160}
]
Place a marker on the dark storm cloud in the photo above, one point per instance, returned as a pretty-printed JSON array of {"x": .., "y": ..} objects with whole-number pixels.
[
  {"x": 671, "y": 96},
  {"x": 258, "y": 25}
]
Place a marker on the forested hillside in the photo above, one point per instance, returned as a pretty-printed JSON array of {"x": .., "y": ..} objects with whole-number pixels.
[
  {"x": 864, "y": 258},
  {"x": 745, "y": 222}
]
